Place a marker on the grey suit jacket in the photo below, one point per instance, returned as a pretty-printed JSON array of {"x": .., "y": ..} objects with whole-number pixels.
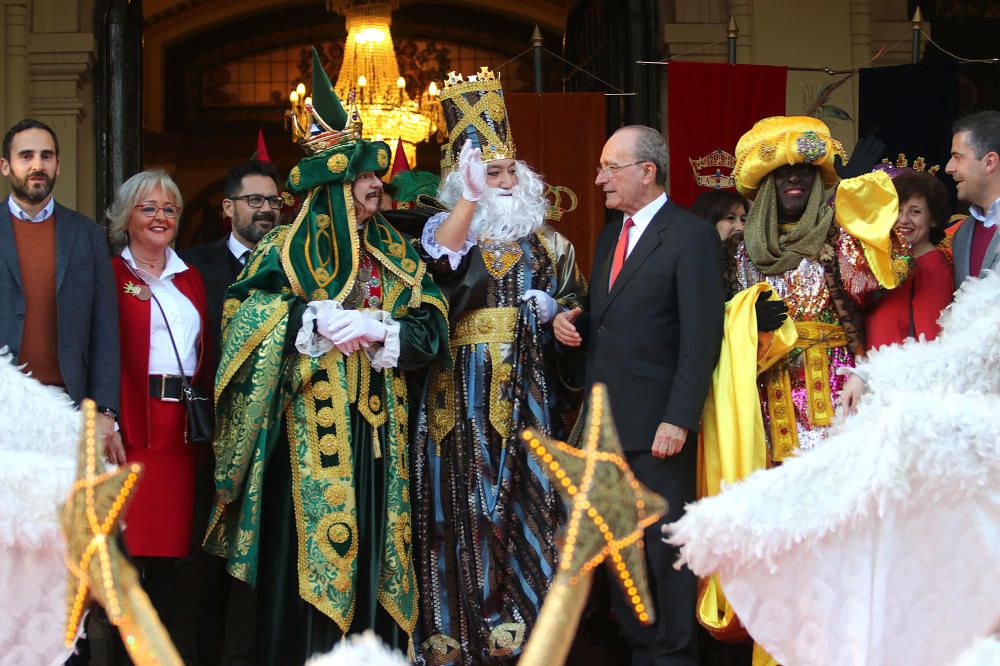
[
  {"x": 86, "y": 305},
  {"x": 961, "y": 246}
]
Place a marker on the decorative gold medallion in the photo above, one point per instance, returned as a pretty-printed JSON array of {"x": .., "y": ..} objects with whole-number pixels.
[
  {"x": 322, "y": 221},
  {"x": 295, "y": 175},
  {"x": 383, "y": 158},
  {"x": 408, "y": 265},
  {"x": 374, "y": 403},
  {"x": 441, "y": 649},
  {"x": 500, "y": 257},
  {"x": 506, "y": 638},
  {"x": 337, "y": 163}
]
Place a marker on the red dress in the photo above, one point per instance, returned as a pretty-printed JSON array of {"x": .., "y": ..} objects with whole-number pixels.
[
  {"x": 930, "y": 287},
  {"x": 159, "y": 516}
]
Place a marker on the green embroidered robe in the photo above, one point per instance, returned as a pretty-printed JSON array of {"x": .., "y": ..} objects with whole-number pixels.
[{"x": 341, "y": 423}]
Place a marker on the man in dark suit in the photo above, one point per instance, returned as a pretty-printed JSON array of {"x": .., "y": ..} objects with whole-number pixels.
[
  {"x": 253, "y": 204},
  {"x": 975, "y": 166},
  {"x": 652, "y": 332},
  {"x": 58, "y": 309},
  {"x": 224, "y": 605}
]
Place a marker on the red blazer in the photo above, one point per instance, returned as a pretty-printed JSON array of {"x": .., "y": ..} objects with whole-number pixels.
[{"x": 133, "y": 325}]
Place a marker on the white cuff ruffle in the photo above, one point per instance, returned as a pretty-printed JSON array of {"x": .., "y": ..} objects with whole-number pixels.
[
  {"x": 385, "y": 354},
  {"x": 308, "y": 341},
  {"x": 435, "y": 250}
]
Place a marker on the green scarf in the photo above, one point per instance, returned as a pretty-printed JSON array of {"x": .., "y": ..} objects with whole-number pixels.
[{"x": 774, "y": 253}]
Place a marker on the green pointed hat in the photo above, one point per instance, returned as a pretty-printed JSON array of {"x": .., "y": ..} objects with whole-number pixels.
[{"x": 326, "y": 104}]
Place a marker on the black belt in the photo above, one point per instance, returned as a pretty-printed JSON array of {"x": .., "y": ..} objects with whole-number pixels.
[{"x": 167, "y": 387}]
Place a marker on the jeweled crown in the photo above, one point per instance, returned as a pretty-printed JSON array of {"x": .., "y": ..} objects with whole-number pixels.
[{"x": 474, "y": 109}]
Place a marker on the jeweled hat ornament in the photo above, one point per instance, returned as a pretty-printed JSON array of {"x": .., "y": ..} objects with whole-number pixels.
[
  {"x": 780, "y": 140},
  {"x": 474, "y": 109}
]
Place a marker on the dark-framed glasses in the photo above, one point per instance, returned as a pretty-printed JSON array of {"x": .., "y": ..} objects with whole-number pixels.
[
  {"x": 257, "y": 200},
  {"x": 170, "y": 211},
  {"x": 612, "y": 168}
]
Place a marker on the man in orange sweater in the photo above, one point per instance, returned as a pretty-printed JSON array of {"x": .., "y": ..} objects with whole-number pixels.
[{"x": 58, "y": 311}]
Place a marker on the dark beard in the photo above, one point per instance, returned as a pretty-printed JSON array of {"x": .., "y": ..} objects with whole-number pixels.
[
  {"x": 253, "y": 232},
  {"x": 31, "y": 193}
]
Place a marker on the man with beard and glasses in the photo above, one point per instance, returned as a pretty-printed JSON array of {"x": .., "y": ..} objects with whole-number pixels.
[
  {"x": 225, "y": 606},
  {"x": 251, "y": 201},
  {"x": 485, "y": 514},
  {"x": 58, "y": 309}
]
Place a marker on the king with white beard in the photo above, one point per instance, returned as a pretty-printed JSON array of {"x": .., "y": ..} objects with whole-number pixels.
[{"x": 485, "y": 514}]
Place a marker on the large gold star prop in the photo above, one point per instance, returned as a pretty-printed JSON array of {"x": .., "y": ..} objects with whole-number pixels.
[
  {"x": 609, "y": 511},
  {"x": 97, "y": 569}
]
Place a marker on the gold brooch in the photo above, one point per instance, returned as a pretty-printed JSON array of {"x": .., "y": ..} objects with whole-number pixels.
[{"x": 141, "y": 292}]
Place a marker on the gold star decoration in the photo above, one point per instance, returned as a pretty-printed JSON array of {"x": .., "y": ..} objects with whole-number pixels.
[
  {"x": 98, "y": 571},
  {"x": 610, "y": 509}
]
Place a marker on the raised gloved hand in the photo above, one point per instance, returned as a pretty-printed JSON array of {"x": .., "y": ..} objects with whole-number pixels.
[
  {"x": 353, "y": 330},
  {"x": 473, "y": 170},
  {"x": 866, "y": 154},
  {"x": 547, "y": 306},
  {"x": 770, "y": 314}
]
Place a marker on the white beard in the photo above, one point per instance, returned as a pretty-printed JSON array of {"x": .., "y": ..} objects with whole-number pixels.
[{"x": 498, "y": 216}]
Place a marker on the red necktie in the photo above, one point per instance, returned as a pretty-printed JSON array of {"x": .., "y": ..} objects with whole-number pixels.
[{"x": 620, "y": 251}]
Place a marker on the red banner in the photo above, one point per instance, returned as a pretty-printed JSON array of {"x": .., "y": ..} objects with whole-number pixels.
[{"x": 710, "y": 107}]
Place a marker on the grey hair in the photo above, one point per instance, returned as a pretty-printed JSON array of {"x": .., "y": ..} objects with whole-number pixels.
[
  {"x": 134, "y": 191},
  {"x": 984, "y": 132},
  {"x": 650, "y": 147}
]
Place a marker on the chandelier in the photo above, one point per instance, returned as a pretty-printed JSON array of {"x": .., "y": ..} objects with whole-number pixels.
[{"x": 370, "y": 70}]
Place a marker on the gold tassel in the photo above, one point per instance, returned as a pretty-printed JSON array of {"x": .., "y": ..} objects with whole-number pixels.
[
  {"x": 375, "y": 443},
  {"x": 411, "y": 652}
]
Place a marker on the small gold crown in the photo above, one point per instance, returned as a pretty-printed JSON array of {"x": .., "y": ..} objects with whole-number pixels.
[
  {"x": 718, "y": 159},
  {"x": 918, "y": 164},
  {"x": 484, "y": 74},
  {"x": 555, "y": 211},
  {"x": 328, "y": 137}
]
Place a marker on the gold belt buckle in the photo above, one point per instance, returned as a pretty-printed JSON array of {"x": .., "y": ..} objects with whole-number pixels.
[{"x": 163, "y": 390}]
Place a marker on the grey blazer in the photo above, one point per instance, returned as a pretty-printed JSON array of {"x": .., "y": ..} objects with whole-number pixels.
[
  {"x": 86, "y": 305},
  {"x": 961, "y": 247}
]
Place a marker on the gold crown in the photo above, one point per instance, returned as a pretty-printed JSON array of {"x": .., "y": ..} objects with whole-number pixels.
[
  {"x": 474, "y": 109},
  {"x": 918, "y": 164},
  {"x": 554, "y": 194},
  {"x": 719, "y": 159}
]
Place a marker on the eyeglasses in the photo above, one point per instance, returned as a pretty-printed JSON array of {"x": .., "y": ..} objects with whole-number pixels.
[
  {"x": 257, "y": 200},
  {"x": 612, "y": 168},
  {"x": 149, "y": 210}
]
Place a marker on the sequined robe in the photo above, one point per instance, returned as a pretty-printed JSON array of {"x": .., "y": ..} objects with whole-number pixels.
[
  {"x": 485, "y": 514},
  {"x": 822, "y": 294}
]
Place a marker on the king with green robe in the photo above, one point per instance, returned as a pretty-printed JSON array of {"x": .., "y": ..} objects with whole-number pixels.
[{"x": 312, "y": 482}]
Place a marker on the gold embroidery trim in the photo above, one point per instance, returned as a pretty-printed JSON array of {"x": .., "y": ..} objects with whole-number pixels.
[
  {"x": 815, "y": 338},
  {"x": 483, "y": 326},
  {"x": 784, "y": 434}
]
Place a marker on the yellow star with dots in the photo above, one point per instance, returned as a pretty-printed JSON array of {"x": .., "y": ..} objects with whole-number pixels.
[
  {"x": 98, "y": 571},
  {"x": 609, "y": 508}
]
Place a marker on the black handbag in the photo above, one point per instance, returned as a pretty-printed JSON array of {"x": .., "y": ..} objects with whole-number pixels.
[{"x": 200, "y": 415}]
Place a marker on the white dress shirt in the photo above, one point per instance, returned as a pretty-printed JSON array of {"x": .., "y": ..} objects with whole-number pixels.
[
  {"x": 185, "y": 323},
  {"x": 238, "y": 249},
  {"x": 988, "y": 218},
  {"x": 42, "y": 215},
  {"x": 641, "y": 220}
]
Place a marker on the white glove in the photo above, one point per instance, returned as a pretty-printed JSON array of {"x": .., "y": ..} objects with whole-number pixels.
[
  {"x": 473, "y": 170},
  {"x": 353, "y": 330},
  {"x": 547, "y": 306}
]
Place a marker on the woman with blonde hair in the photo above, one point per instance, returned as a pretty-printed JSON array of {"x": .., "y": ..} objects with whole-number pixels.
[{"x": 162, "y": 309}]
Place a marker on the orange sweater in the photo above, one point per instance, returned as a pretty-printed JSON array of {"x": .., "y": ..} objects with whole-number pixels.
[{"x": 36, "y": 252}]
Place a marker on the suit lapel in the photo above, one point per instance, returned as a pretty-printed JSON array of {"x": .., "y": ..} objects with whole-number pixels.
[
  {"x": 648, "y": 242},
  {"x": 65, "y": 237},
  {"x": 962, "y": 248},
  {"x": 8, "y": 250}
]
